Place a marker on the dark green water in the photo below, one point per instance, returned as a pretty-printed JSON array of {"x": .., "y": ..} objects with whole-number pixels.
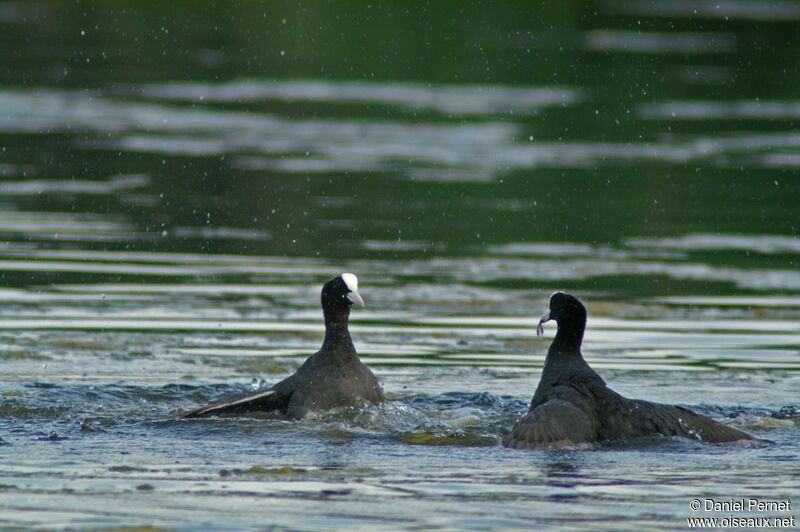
[{"x": 178, "y": 180}]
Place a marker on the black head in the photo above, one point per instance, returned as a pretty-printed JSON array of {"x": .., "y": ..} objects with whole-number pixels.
[
  {"x": 567, "y": 311},
  {"x": 341, "y": 293}
]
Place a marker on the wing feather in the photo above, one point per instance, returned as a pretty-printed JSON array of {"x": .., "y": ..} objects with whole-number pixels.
[
  {"x": 556, "y": 423},
  {"x": 266, "y": 401},
  {"x": 634, "y": 417}
]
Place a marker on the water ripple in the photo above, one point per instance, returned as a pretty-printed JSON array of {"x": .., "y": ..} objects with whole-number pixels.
[{"x": 451, "y": 100}]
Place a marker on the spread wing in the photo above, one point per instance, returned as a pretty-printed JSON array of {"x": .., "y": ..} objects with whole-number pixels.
[
  {"x": 556, "y": 423},
  {"x": 706, "y": 429},
  {"x": 643, "y": 418},
  {"x": 266, "y": 401}
]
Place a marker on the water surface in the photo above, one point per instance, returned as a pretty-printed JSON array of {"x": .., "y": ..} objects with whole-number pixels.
[{"x": 177, "y": 182}]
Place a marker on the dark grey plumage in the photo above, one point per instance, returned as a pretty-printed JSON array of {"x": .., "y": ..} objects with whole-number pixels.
[
  {"x": 332, "y": 377},
  {"x": 572, "y": 404}
]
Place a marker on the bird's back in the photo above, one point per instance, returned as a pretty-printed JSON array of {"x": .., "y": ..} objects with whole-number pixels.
[{"x": 325, "y": 381}]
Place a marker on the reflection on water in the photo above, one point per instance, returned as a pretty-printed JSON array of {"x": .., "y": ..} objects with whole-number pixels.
[
  {"x": 112, "y": 186},
  {"x": 432, "y": 150},
  {"x": 747, "y": 243},
  {"x": 714, "y": 9},
  {"x": 659, "y": 43},
  {"x": 751, "y": 110},
  {"x": 166, "y": 223},
  {"x": 449, "y": 100}
]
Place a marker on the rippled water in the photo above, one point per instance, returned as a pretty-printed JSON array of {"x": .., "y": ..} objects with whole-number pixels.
[{"x": 177, "y": 183}]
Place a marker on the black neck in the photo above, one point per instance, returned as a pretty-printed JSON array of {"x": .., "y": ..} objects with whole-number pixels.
[
  {"x": 337, "y": 334},
  {"x": 568, "y": 338},
  {"x": 564, "y": 360}
]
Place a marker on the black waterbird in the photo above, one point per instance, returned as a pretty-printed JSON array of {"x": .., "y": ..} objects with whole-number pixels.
[
  {"x": 332, "y": 377},
  {"x": 573, "y": 405}
]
